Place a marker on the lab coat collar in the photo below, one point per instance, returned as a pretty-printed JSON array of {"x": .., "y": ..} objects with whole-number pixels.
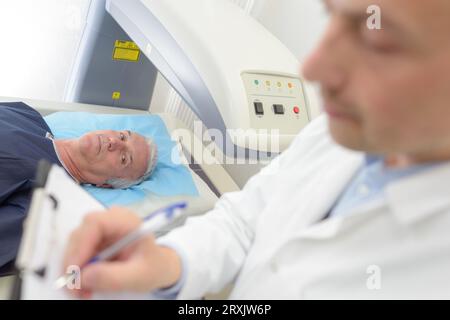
[
  {"x": 410, "y": 199},
  {"x": 331, "y": 181},
  {"x": 419, "y": 196}
]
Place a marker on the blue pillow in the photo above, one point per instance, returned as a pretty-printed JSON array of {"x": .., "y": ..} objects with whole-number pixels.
[{"x": 170, "y": 178}]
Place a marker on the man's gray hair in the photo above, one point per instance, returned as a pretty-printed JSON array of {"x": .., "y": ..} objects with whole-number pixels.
[{"x": 117, "y": 183}]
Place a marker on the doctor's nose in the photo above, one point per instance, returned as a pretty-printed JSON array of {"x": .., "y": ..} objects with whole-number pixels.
[
  {"x": 327, "y": 63},
  {"x": 115, "y": 144}
]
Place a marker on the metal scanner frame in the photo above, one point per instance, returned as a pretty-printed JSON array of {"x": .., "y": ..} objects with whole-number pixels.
[{"x": 174, "y": 65}]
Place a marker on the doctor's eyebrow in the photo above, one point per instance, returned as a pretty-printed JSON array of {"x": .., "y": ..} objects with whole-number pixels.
[{"x": 347, "y": 7}]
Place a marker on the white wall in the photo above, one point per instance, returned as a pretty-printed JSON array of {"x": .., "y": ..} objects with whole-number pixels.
[
  {"x": 297, "y": 23},
  {"x": 38, "y": 41}
]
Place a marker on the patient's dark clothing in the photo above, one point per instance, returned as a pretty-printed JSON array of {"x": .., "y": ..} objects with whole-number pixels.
[{"x": 24, "y": 142}]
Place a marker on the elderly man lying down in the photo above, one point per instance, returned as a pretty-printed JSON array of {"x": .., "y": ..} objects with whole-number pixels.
[{"x": 109, "y": 159}]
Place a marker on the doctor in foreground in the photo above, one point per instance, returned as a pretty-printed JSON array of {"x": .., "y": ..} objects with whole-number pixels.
[{"x": 358, "y": 207}]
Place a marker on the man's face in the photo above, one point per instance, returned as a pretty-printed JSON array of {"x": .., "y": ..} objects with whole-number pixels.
[
  {"x": 386, "y": 91},
  {"x": 113, "y": 154}
]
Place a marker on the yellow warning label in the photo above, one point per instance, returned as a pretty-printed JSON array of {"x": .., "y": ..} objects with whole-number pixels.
[
  {"x": 126, "y": 51},
  {"x": 116, "y": 95},
  {"x": 126, "y": 45}
]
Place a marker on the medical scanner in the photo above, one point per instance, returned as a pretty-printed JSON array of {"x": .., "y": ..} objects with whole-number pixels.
[{"x": 238, "y": 79}]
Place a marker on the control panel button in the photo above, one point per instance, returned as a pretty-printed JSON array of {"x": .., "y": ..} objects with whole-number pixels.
[
  {"x": 259, "y": 109},
  {"x": 296, "y": 110},
  {"x": 278, "y": 109}
]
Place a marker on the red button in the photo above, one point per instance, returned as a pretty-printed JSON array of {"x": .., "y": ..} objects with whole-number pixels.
[{"x": 297, "y": 110}]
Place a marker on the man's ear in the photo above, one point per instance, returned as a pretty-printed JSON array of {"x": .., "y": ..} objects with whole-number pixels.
[{"x": 105, "y": 185}]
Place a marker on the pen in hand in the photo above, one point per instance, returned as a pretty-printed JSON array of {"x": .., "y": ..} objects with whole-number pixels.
[{"x": 151, "y": 224}]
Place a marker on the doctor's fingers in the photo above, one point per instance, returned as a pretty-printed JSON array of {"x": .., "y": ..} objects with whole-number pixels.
[
  {"x": 97, "y": 231},
  {"x": 136, "y": 274}
]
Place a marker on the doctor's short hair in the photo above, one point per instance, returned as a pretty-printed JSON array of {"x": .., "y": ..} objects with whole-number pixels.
[{"x": 118, "y": 183}]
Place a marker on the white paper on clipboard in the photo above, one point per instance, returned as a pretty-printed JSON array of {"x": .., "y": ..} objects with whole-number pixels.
[
  {"x": 47, "y": 231},
  {"x": 46, "y": 234}
]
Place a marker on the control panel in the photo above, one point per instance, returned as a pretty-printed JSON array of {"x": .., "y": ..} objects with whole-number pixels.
[{"x": 276, "y": 102}]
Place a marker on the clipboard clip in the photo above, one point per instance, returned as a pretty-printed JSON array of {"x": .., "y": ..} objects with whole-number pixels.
[
  {"x": 24, "y": 256},
  {"x": 39, "y": 199}
]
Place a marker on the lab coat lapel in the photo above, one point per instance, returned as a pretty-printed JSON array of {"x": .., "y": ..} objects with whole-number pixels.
[{"x": 323, "y": 193}]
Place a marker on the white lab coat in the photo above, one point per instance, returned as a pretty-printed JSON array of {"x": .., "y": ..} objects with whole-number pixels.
[{"x": 272, "y": 241}]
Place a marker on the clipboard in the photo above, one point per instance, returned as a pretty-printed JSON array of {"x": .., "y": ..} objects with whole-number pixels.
[
  {"x": 57, "y": 207},
  {"x": 41, "y": 180}
]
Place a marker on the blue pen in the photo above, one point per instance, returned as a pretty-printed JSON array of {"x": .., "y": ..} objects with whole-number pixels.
[{"x": 152, "y": 223}]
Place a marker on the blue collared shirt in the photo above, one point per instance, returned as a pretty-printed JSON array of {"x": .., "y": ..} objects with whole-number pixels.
[{"x": 369, "y": 184}]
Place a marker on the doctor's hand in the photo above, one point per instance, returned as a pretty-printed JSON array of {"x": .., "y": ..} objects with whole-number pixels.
[{"x": 142, "y": 267}]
